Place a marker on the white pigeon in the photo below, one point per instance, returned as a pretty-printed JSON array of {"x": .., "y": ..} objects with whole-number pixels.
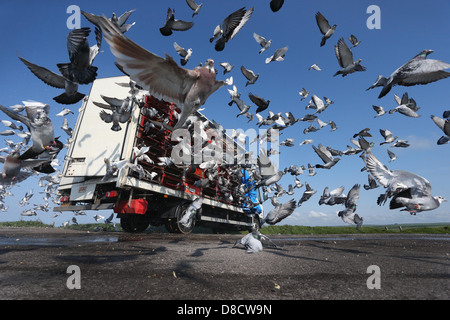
[
  {"x": 278, "y": 55},
  {"x": 263, "y": 42}
]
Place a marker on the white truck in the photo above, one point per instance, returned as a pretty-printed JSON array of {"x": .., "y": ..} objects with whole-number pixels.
[{"x": 141, "y": 200}]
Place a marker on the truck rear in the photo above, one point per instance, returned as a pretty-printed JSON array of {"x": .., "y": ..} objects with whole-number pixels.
[{"x": 157, "y": 187}]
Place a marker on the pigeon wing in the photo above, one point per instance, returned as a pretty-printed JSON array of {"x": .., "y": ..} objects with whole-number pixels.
[
  {"x": 281, "y": 212},
  {"x": 378, "y": 170},
  {"x": 161, "y": 76},
  {"x": 52, "y": 79},
  {"x": 343, "y": 53},
  {"x": 322, "y": 23},
  {"x": 426, "y": 71},
  {"x": 353, "y": 196}
]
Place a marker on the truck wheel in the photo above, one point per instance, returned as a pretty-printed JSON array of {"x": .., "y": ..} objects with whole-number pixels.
[
  {"x": 173, "y": 224},
  {"x": 134, "y": 222}
]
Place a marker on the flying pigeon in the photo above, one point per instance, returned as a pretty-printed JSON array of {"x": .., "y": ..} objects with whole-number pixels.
[
  {"x": 388, "y": 136},
  {"x": 345, "y": 58},
  {"x": 315, "y": 67},
  {"x": 418, "y": 70},
  {"x": 348, "y": 215},
  {"x": 379, "y": 110},
  {"x": 12, "y": 164},
  {"x": 231, "y": 25},
  {"x": 332, "y": 197},
  {"x": 324, "y": 154},
  {"x": 162, "y": 77},
  {"x": 263, "y": 42},
  {"x": 372, "y": 183},
  {"x": 112, "y": 168},
  {"x": 121, "y": 112},
  {"x": 185, "y": 54},
  {"x": 279, "y": 213},
  {"x": 406, "y": 106},
  {"x": 324, "y": 28},
  {"x": 80, "y": 69},
  {"x": 307, "y": 194},
  {"x": 260, "y": 102},
  {"x": 38, "y": 123},
  {"x": 380, "y": 82},
  {"x": 278, "y": 55},
  {"x": 250, "y": 75},
  {"x": 188, "y": 217},
  {"x": 64, "y": 112},
  {"x": 354, "y": 41},
  {"x": 303, "y": 93},
  {"x": 172, "y": 24},
  {"x": 194, "y": 6},
  {"x": 227, "y": 67},
  {"x": 407, "y": 189},
  {"x": 444, "y": 125},
  {"x": 119, "y": 22},
  {"x": 70, "y": 95}
]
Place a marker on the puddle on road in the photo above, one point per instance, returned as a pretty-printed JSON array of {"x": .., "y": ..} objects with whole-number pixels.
[{"x": 55, "y": 241}]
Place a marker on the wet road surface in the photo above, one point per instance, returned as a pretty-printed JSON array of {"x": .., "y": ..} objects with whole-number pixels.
[{"x": 38, "y": 263}]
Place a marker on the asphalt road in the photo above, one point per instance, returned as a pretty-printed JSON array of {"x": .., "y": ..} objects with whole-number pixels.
[{"x": 65, "y": 264}]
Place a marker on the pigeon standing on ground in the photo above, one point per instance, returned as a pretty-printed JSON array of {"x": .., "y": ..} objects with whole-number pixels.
[
  {"x": 162, "y": 77},
  {"x": 348, "y": 215},
  {"x": 345, "y": 58},
  {"x": 231, "y": 25},
  {"x": 80, "y": 69},
  {"x": 38, "y": 123},
  {"x": 407, "y": 189},
  {"x": 172, "y": 24},
  {"x": 324, "y": 28},
  {"x": 418, "y": 70},
  {"x": 70, "y": 95}
]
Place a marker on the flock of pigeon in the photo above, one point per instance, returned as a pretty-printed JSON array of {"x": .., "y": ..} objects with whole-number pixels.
[{"x": 189, "y": 89}]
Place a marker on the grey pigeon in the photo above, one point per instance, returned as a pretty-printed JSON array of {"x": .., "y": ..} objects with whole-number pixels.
[
  {"x": 279, "y": 213},
  {"x": 406, "y": 106},
  {"x": 70, "y": 95},
  {"x": 188, "y": 218},
  {"x": 162, "y": 77},
  {"x": 388, "y": 136},
  {"x": 194, "y": 6},
  {"x": 263, "y": 42},
  {"x": 120, "y": 21},
  {"x": 379, "y": 110},
  {"x": 345, "y": 58},
  {"x": 307, "y": 194},
  {"x": 172, "y": 24},
  {"x": 324, "y": 28},
  {"x": 418, "y": 70},
  {"x": 407, "y": 189},
  {"x": 121, "y": 112},
  {"x": 12, "y": 164},
  {"x": 332, "y": 197},
  {"x": 278, "y": 55},
  {"x": 324, "y": 154},
  {"x": 80, "y": 69},
  {"x": 380, "y": 82},
  {"x": 231, "y": 25},
  {"x": 260, "y": 102},
  {"x": 253, "y": 242},
  {"x": 227, "y": 67},
  {"x": 444, "y": 125},
  {"x": 38, "y": 123},
  {"x": 372, "y": 183},
  {"x": 185, "y": 54},
  {"x": 250, "y": 75},
  {"x": 354, "y": 41},
  {"x": 348, "y": 215}
]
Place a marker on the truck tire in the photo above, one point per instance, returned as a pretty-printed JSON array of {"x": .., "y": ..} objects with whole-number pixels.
[
  {"x": 173, "y": 224},
  {"x": 134, "y": 222}
]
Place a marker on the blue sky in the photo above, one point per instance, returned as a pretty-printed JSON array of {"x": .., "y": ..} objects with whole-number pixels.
[{"x": 38, "y": 30}]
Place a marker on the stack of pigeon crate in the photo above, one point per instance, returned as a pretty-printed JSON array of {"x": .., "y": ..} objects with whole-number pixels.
[{"x": 158, "y": 139}]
